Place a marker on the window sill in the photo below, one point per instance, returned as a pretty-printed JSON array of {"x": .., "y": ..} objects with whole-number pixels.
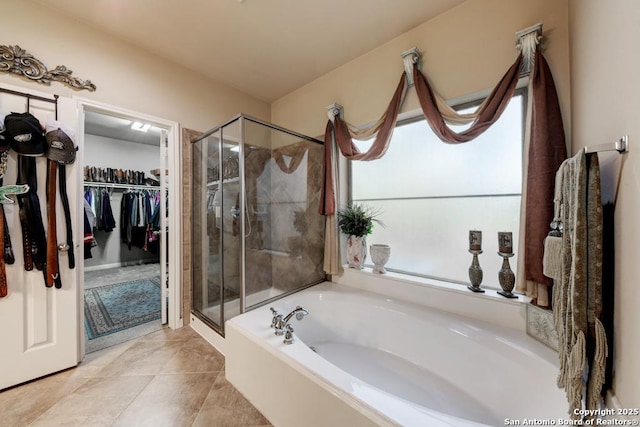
[{"x": 488, "y": 306}]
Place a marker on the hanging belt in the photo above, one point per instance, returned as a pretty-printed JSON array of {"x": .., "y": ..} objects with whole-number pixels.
[
  {"x": 3, "y": 273},
  {"x": 62, "y": 172},
  {"x": 8, "y": 250},
  {"x": 6, "y": 238},
  {"x": 52, "y": 268},
  {"x": 4, "y": 192},
  {"x": 24, "y": 225},
  {"x": 33, "y": 233}
]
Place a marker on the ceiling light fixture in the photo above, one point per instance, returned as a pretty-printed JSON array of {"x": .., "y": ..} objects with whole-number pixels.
[{"x": 140, "y": 127}]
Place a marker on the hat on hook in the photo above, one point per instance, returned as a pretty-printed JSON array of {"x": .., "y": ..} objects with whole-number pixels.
[
  {"x": 25, "y": 135},
  {"x": 4, "y": 141},
  {"x": 60, "y": 145}
]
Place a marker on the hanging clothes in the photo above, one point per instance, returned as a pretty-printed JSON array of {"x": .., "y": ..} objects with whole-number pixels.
[
  {"x": 99, "y": 200},
  {"x": 89, "y": 238},
  {"x": 140, "y": 219},
  {"x": 108, "y": 221}
]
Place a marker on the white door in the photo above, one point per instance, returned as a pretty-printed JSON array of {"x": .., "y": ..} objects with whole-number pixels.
[
  {"x": 39, "y": 325},
  {"x": 164, "y": 224}
]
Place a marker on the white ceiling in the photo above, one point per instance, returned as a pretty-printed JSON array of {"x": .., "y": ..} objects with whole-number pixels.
[
  {"x": 265, "y": 48},
  {"x": 119, "y": 128}
]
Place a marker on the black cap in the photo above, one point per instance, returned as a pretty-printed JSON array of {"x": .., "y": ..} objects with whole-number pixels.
[
  {"x": 25, "y": 134},
  {"x": 60, "y": 146}
]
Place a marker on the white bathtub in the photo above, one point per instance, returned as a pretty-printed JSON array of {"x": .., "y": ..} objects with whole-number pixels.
[{"x": 362, "y": 359}]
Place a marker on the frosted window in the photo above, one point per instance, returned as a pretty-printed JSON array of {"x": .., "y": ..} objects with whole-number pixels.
[{"x": 430, "y": 194}]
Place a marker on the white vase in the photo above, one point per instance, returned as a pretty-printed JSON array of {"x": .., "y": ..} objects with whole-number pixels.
[
  {"x": 380, "y": 256},
  {"x": 356, "y": 251}
]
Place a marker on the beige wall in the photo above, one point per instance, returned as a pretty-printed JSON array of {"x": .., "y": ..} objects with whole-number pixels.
[
  {"x": 605, "y": 60},
  {"x": 465, "y": 50},
  {"x": 125, "y": 76}
]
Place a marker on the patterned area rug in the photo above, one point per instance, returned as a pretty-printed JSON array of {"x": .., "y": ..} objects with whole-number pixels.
[{"x": 116, "y": 307}]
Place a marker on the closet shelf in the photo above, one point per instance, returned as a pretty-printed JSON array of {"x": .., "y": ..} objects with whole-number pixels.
[{"x": 123, "y": 186}]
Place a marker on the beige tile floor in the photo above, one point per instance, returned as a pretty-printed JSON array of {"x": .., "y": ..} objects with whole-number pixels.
[{"x": 167, "y": 378}]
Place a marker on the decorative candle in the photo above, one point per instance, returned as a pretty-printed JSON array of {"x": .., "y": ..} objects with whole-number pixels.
[
  {"x": 475, "y": 240},
  {"x": 505, "y": 242}
]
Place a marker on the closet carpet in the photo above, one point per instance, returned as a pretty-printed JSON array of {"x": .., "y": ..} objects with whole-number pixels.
[
  {"x": 112, "y": 308},
  {"x": 168, "y": 378},
  {"x": 99, "y": 278}
]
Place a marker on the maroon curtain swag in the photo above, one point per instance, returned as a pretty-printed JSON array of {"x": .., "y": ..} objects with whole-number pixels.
[
  {"x": 349, "y": 149},
  {"x": 295, "y": 161},
  {"x": 498, "y": 100},
  {"x": 547, "y": 151},
  {"x": 381, "y": 143}
]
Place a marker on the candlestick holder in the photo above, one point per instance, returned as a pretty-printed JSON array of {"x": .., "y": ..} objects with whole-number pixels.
[
  {"x": 506, "y": 277},
  {"x": 475, "y": 272}
]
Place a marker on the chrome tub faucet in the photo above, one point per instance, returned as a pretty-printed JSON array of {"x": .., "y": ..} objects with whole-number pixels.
[{"x": 281, "y": 324}]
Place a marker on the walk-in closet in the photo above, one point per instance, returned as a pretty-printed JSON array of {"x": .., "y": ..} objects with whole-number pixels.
[{"x": 123, "y": 246}]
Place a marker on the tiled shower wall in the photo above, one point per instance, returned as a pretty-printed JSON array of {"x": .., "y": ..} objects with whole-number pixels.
[{"x": 286, "y": 246}]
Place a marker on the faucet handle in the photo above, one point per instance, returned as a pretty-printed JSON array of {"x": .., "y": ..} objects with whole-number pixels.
[
  {"x": 288, "y": 336},
  {"x": 277, "y": 318}
]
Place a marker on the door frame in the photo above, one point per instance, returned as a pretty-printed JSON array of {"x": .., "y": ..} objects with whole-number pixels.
[{"x": 174, "y": 165}]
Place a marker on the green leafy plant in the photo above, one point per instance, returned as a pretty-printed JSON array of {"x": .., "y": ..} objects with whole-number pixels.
[{"x": 357, "y": 220}]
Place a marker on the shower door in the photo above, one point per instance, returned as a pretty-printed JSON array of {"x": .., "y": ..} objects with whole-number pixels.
[
  {"x": 216, "y": 229},
  {"x": 256, "y": 231}
]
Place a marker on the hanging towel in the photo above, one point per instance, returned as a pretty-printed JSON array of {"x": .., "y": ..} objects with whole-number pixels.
[
  {"x": 577, "y": 297},
  {"x": 552, "y": 255}
]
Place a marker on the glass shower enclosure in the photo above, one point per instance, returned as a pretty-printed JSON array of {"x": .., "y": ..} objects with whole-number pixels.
[{"x": 257, "y": 234}]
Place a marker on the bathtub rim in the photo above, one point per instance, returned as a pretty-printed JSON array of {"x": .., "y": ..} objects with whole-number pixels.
[
  {"x": 291, "y": 356},
  {"x": 273, "y": 347},
  {"x": 445, "y": 296}
]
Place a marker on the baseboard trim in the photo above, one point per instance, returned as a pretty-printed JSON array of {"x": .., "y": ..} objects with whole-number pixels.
[
  {"x": 119, "y": 264},
  {"x": 211, "y": 336},
  {"x": 619, "y": 412}
]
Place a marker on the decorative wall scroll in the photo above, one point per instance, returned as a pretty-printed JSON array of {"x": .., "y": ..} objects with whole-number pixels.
[{"x": 15, "y": 60}]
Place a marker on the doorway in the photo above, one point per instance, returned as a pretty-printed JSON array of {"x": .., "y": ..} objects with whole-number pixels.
[{"x": 129, "y": 269}]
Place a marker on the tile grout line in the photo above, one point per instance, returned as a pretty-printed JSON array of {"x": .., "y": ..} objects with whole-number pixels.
[
  {"x": 133, "y": 400},
  {"x": 204, "y": 400}
]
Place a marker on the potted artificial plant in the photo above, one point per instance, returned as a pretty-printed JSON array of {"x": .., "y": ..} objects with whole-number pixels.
[{"x": 356, "y": 221}]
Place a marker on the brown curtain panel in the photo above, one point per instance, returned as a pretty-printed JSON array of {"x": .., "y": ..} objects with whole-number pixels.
[
  {"x": 327, "y": 205},
  {"x": 547, "y": 151}
]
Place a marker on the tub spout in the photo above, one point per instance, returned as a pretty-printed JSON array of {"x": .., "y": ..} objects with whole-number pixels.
[{"x": 299, "y": 312}]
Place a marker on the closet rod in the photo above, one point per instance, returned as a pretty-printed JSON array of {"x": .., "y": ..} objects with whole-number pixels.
[
  {"x": 123, "y": 186},
  {"x": 30, "y": 96},
  {"x": 621, "y": 146}
]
